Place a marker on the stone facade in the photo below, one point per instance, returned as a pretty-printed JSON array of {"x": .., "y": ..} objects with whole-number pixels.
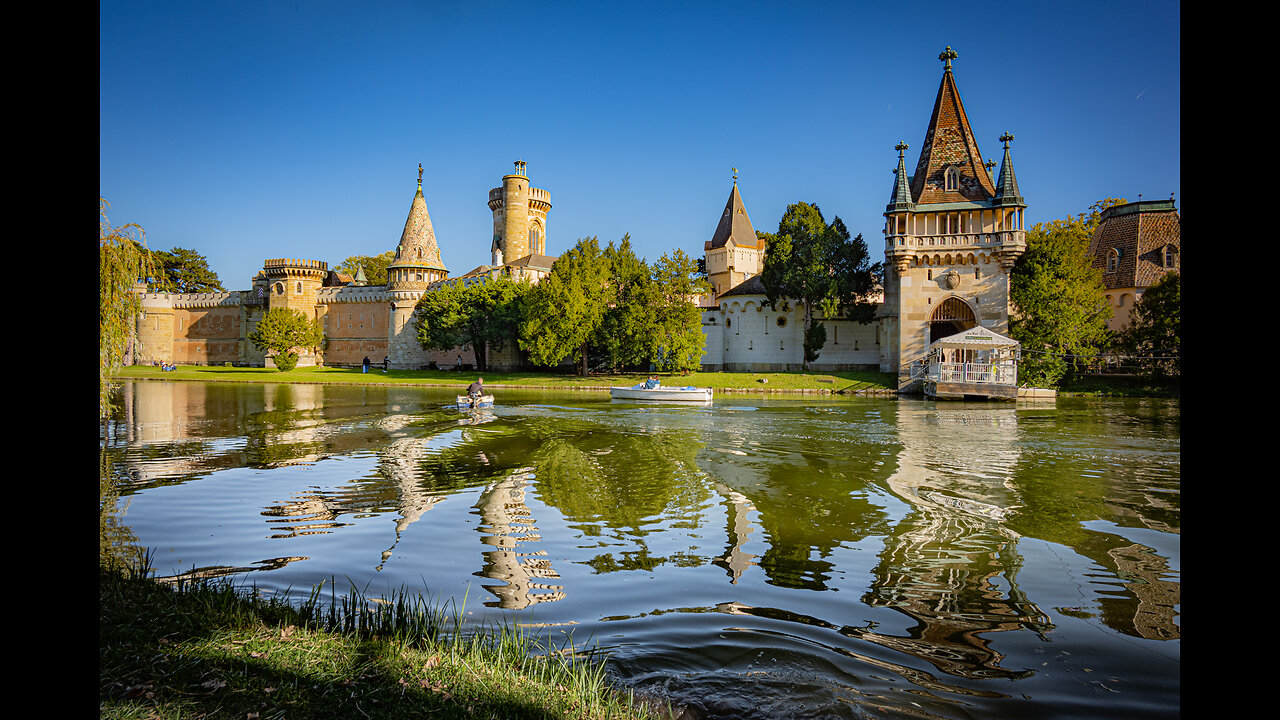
[{"x": 359, "y": 321}]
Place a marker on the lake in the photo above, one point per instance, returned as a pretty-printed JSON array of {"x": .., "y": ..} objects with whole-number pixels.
[{"x": 761, "y": 557}]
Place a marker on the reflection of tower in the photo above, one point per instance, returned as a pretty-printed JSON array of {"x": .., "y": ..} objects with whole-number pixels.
[
  {"x": 735, "y": 560},
  {"x": 508, "y": 524},
  {"x": 942, "y": 562},
  {"x": 400, "y": 463}
]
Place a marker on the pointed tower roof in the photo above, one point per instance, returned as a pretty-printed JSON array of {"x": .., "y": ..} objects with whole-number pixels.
[
  {"x": 1007, "y": 186},
  {"x": 418, "y": 246},
  {"x": 948, "y": 144},
  {"x": 734, "y": 223},
  {"x": 901, "y": 198}
]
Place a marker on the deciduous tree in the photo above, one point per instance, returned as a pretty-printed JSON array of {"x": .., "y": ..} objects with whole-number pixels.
[
  {"x": 123, "y": 260},
  {"x": 375, "y": 266},
  {"x": 1059, "y": 310},
  {"x": 282, "y": 331},
  {"x": 1155, "y": 328},
  {"x": 485, "y": 315},
  {"x": 676, "y": 340}
]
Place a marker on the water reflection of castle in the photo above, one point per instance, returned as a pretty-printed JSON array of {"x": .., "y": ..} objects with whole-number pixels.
[{"x": 507, "y": 525}]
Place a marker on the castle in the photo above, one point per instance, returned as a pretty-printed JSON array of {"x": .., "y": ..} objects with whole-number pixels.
[{"x": 952, "y": 232}]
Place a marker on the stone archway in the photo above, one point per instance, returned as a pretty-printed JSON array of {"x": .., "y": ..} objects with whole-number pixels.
[{"x": 952, "y": 315}]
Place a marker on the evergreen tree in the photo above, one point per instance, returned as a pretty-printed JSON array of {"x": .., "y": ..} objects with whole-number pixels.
[
  {"x": 565, "y": 309},
  {"x": 185, "y": 271},
  {"x": 623, "y": 334},
  {"x": 1059, "y": 309},
  {"x": 820, "y": 266}
]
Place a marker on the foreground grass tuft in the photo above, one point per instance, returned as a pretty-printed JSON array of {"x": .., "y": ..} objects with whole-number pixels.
[{"x": 208, "y": 650}]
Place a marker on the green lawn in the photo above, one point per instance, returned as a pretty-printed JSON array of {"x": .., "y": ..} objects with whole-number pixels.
[{"x": 846, "y": 382}]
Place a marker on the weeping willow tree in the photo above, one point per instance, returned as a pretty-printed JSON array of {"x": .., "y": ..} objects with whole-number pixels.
[{"x": 123, "y": 259}]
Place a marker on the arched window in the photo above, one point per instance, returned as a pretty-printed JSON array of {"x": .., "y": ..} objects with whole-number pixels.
[
  {"x": 953, "y": 178},
  {"x": 1170, "y": 256},
  {"x": 299, "y": 287},
  {"x": 1113, "y": 260}
]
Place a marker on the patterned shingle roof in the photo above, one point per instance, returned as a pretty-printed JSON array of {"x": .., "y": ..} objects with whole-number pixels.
[
  {"x": 949, "y": 142},
  {"x": 418, "y": 248},
  {"x": 735, "y": 224},
  {"x": 1139, "y": 232}
]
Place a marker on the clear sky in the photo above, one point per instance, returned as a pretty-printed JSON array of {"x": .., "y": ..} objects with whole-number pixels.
[{"x": 255, "y": 129}]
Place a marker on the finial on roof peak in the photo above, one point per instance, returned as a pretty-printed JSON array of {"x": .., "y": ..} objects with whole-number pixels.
[
  {"x": 735, "y": 176},
  {"x": 419, "y": 176},
  {"x": 947, "y": 56},
  {"x": 901, "y": 147},
  {"x": 1006, "y": 138}
]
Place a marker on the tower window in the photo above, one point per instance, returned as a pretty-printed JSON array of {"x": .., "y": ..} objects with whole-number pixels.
[
  {"x": 952, "y": 179},
  {"x": 1170, "y": 256},
  {"x": 1113, "y": 260}
]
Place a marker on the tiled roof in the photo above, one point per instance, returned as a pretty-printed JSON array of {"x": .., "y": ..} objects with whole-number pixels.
[
  {"x": 418, "y": 246},
  {"x": 1140, "y": 232},
  {"x": 949, "y": 142}
]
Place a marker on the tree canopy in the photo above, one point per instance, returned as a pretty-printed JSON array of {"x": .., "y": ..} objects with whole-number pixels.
[
  {"x": 621, "y": 337},
  {"x": 1155, "y": 327},
  {"x": 819, "y": 265},
  {"x": 375, "y": 266},
  {"x": 565, "y": 309},
  {"x": 281, "y": 331},
  {"x": 184, "y": 271},
  {"x": 123, "y": 260},
  {"x": 675, "y": 340},
  {"x": 1060, "y": 311},
  {"x": 484, "y": 315}
]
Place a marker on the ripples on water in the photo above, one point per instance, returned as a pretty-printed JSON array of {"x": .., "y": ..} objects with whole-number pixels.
[{"x": 843, "y": 557}]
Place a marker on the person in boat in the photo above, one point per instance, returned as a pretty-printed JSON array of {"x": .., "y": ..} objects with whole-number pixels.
[
  {"x": 651, "y": 383},
  {"x": 475, "y": 390}
]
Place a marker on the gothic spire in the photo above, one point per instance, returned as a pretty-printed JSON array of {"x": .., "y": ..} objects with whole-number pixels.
[
  {"x": 949, "y": 149},
  {"x": 418, "y": 246},
  {"x": 901, "y": 198}
]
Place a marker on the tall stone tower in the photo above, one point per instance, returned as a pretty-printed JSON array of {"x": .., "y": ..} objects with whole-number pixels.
[
  {"x": 519, "y": 218},
  {"x": 952, "y": 233},
  {"x": 416, "y": 265},
  {"x": 734, "y": 253}
]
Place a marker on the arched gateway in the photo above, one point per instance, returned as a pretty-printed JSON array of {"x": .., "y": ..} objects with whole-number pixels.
[{"x": 952, "y": 315}]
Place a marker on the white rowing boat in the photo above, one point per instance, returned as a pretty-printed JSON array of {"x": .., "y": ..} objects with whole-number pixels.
[
  {"x": 663, "y": 394},
  {"x": 484, "y": 401}
]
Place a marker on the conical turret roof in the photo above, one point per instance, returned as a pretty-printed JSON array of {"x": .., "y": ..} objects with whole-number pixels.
[
  {"x": 734, "y": 224},
  {"x": 901, "y": 197},
  {"x": 1007, "y": 186},
  {"x": 418, "y": 246},
  {"x": 949, "y": 143}
]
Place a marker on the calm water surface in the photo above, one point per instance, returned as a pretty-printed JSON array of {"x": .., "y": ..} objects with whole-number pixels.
[{"x": 757, "y": 558}]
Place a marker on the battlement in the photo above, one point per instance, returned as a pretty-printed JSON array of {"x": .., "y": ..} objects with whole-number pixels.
[
  {"x": 228, "y": 298},
  {"x": 288, "y": 264},
  {"x": 353, "y": 294}
]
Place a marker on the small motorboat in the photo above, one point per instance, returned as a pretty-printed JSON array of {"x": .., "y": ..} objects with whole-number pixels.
[
  {"x": 465, "y": 402},
  {"x": 662, "y": 394}
]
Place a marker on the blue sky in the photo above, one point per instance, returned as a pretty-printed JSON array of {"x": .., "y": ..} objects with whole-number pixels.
[{"x": 254, "y": 130}]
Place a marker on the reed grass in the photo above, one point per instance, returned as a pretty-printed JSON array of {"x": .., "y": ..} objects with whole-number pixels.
[{"x": 209, "y": 649}]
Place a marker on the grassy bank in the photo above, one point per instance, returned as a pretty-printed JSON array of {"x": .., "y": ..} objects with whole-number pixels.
[
  {"x": 845, "y": 382},
  {"x": 210, "y": 651},
  {"x": 1122, "y": 386}
]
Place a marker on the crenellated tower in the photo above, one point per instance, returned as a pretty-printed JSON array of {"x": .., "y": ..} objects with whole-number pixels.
[
  {"x": 519, "y": 217},
  {"x": 952, "y": 234}
]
